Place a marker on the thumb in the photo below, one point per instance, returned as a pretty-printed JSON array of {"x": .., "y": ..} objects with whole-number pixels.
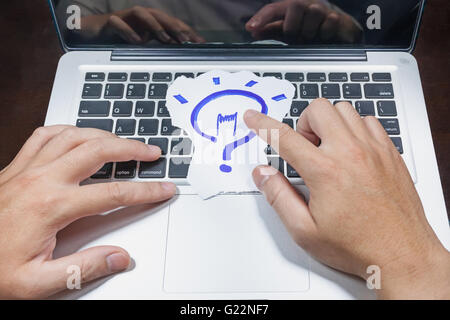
[
  {"x": 82, "y": 267},
  {"x": 287, "y": 202}
]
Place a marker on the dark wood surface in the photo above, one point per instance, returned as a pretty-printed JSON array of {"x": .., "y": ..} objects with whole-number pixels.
[{"x": 30, "y": 51}]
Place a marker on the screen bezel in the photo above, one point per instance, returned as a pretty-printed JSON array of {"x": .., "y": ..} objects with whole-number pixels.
[{"x": 264, "y": 50}]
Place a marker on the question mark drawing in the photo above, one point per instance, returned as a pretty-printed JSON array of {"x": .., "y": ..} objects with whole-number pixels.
[{"x": 230, "y": 147}]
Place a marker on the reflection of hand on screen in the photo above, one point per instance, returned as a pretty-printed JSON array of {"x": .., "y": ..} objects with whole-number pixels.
[
  {"x": 302, "y": 21},
  {"x": 138, "y": 25}
]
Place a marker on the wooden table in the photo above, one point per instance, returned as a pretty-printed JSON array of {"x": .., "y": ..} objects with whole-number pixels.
[{"x": 30, "y": 53}]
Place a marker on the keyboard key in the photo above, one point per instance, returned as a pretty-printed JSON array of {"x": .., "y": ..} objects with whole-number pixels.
[
  {"x": 162, "y": 77},
  {"x": 186, "y": 74},
  {"x": 270, "y": 150},
  {"x": 296, "y": 91},
  {"x": 294, "y": 76},
  {"x": 92, "y": 91},
  {"x": 277, "y": 163},
  {"x": 167, "y": 129},
  {"x": 359, "y": 77},
  {"x": 365, "y": 108},
  {"x": 155, "y": 169},
  {"x": 331, "y": 91},
  {"x": 136, "y": 91},
  {"x": 145, "y": 109},
  {"x": 338, "y": 101},
  {"x": 381, "y": 77},
  {"x": 179, "y": 167},
  {"x": 386, "y": 109},
  {"x": 162, "y": 143},
  {"x": 125, "y": 127},
  {"x": 316, "y": 77},
  {"x": 290, "y": 172},
  {"x": 181, "y": 147},
  {"x": 309, "y": 91},
  {"x": 379, "y": 91},
  {"x": 122, "y": 108},
  {"x": 148, "y": 127},
  {"x": 162, "y": 109},
  {"x": 102, "y": 124},
  {"x": 157, "y": 91},
  {"x": 138, "y": 139},
  {"x": 140, "y": 77},
  {"x": 117, "y": 76},
  {"x": 397, "y": 141},
  {"x": 273, "y": 74},
  {"x": 352, "y": 91},
  {"x": 289, "y": 122},
  {"x": 104, "y": 173},
  {"x": 391, "y": 126},
  {"x": 94, "y": 109},
  {"x": 95, "y": 76},
  {"x": 114, "y": 91},
  {"x": 298, "y": 107},
  {"x": 125, "y": 170},
  {"x": 338, "y": 77}
]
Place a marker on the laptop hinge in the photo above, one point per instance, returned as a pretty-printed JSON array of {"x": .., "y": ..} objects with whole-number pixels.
[{"x": 215, "y": 54}]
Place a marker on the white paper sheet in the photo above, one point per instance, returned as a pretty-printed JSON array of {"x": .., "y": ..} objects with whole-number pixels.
[{"x": 210, "y": 109}]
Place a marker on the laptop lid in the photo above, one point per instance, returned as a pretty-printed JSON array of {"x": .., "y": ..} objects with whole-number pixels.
[{"x": 255, "y": 27}]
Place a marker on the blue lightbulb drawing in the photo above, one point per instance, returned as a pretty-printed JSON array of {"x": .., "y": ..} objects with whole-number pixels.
[{"x": 224, "y": 117}]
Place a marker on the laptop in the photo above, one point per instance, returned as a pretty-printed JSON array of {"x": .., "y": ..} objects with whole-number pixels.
[{"x": 115, "y": 74}]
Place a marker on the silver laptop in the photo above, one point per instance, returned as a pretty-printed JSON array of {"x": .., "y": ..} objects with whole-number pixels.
[{"x": 121, "y": 56}]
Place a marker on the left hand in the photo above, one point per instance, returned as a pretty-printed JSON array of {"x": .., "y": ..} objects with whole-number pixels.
[{"x": 40, "y": 194}]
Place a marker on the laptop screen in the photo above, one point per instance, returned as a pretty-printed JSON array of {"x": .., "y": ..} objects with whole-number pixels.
[{"x": 368, "y": 24}]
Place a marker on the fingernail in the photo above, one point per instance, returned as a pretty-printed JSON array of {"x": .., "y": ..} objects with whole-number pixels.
[
  {"x": 165, "y": 36},
  {"x": 168, "y": 186},
  {"x": 183, "y": 37},
  {"x": 154, "y": 149},
  {"x": 263, "y": 174},
  {"x": 136, "y": 38},
  {"x": 250, "y": 114},
  {"x": 253, "y": 24},
  {"x": 117, "y": 262}
]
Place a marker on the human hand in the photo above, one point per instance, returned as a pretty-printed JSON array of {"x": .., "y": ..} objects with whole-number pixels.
[
  {"x": 138, "y": 25},
  {"x": 299, "y": 21},
  {"x": 40, "y": 194},
  {"x": 363, "y": 208}
]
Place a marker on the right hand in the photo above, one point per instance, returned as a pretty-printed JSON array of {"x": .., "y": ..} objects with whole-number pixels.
[
  {"x": 138, "y": 25},
  {"x": 363, "y": 208},
  {"x": 299, "y": 21}
]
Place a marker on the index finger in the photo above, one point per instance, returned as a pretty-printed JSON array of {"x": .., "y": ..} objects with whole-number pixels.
[
  {"x": 124, "y": 30},
  {"x": 300, "y": 153},
  {"x": 86, "y": 159},
  {"x": 152, "y": 24},
  {"x": 267, "y": 14}
]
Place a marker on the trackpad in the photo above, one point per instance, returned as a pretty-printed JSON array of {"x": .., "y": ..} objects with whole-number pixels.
[{"x": 231, "y": 244}]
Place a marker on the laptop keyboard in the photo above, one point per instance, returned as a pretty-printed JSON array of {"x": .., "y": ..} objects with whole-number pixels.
[{"x": 132, "y": 106}]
